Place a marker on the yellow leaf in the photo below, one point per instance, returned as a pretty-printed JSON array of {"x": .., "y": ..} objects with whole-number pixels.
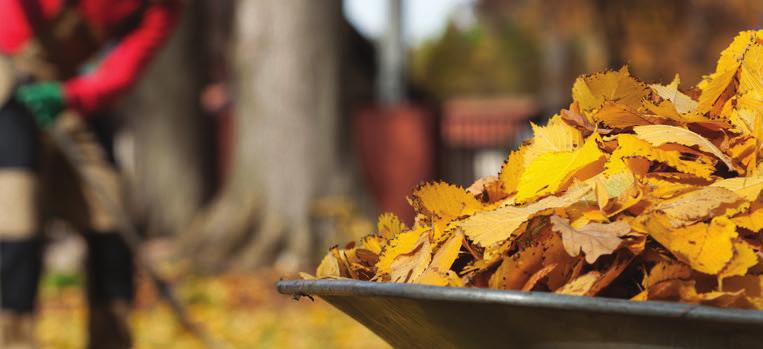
[
  {"x": 698, "y": 205},
  {"x": 402, "y": 243},
  {"x": 589, "y": 215},
  {"x": 666, "y": 109},
  {"x": 580, "y": 286},
  {"x": 487, "y": 189},
  {"x": 629, "y": 146},
  {"x": 706, "y": 247},
  {"x": 642, "y": 296},
  {"x": 682, "y": 103},
  {"x": 662, "y": 188},
  {"x": 618, "y": 183},
  {"x": 511, "y": 171},
  {"x": 744, "y": 150},
  {"x": 448, "y": 252},
  {"x": 555, "y": 137},
  {"x": 447, "y": 278},
  {"x": 744, "y": 258},
  {"x": 747, "y": 187},
  {"x": 661, "y": 134},
  {"x": 551, "y": 172},
  {"x": 516, "y": 270},
  {"x": 487, "y": 228},
  {"x": 443, "y": 200},
  {"x": 622, "y": 116},
  {"x": 593, "y": 239},
  {"x": 751, "y": 72},
  {"x": 752, "y": 221},
  {"x": 389, "y": 225},
  {"x": 591, "y": 91},
  {"x": 373, "y": 243},
  {"x": 408, "y": 267},
  {"x": 735, "y": 52},
  {"x": 751, "y": 100},
  {"x": 666, "y": 270},
  {"x": 329, "y": 267},
  {"x": 714, "y": 90},
  {"x": 726, "y": 69},
  {"x": 443, "y": 258},
  {"x": 538, "y": 276},
  {"x": 602, "y": 196},
  {"x": 688, "y": 293}
]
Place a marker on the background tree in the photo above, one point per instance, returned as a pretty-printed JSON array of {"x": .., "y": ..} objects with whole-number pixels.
[
  {"x": 165, "y": 145},
  {"x": 286, "y": 70}
]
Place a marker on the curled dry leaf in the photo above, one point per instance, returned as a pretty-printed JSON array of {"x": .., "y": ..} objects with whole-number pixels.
[
  {"x": 661, "y": 134},
  {"x": 329, "y": 267},
  {"x": 573, "y": 118},
  {"x": 437, "y": 271},
  {"x": 682, "y": 103},
  {"x": 698, "y": 205},
  {"x": 593, "y": 239},
  {"x": 580, "y": 286},
  {"x": 487, "y": 228},
  {"x": 632, "y": 179},
  {"x": 488, "y": 189},
  {"x": 409, "y": 266}
]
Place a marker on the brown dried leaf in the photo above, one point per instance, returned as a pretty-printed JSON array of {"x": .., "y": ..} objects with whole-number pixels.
[{"x": 593, "y": 239}]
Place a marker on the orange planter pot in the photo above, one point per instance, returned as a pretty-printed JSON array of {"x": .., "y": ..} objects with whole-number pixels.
[{"x": 396, "y": 148}]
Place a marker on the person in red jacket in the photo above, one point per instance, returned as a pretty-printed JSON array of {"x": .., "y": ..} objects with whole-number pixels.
[{"x": 45, "y": 46}]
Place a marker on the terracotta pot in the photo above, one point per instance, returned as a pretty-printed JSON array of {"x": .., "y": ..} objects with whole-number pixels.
[{"x": 396, "y": 148}]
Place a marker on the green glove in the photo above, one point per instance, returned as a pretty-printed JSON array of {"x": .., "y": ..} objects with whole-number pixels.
[{"x": 45, "y": 100}]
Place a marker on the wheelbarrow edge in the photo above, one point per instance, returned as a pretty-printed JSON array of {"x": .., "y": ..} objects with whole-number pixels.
[{"x": 356, "y": 288}]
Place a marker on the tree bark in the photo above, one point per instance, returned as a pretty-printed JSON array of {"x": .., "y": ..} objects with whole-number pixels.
[
  {"x": 166, "y": 158},
  {"x": 286, "y": 74}
]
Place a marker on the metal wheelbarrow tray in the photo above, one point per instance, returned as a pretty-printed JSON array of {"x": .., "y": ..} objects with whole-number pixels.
[{"x": 419, "y": 316}]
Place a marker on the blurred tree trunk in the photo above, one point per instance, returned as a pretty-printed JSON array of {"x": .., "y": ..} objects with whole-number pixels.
[
  {"x": 166, "y": 142},
  {"x": 286, "y": 74}
]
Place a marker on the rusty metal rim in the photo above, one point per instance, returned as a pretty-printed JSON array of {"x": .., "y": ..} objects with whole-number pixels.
[{"x": 355, "y": 288}]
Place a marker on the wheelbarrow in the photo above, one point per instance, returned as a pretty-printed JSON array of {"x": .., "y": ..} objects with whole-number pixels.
[{"x": 419, "y": 316}]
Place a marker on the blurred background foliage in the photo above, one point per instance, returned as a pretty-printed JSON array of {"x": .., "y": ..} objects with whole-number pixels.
[{"x": 477, "y": 60}]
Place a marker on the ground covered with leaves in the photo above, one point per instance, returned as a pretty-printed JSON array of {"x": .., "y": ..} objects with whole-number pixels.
[
  {"x": 637, "y": 191},
  {"x": 239, "y": 310}
]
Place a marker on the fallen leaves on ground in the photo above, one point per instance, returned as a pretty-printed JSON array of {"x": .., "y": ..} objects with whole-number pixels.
[
  {"x": 239, "y": 310},
  {"x": 636, "y": 191}
]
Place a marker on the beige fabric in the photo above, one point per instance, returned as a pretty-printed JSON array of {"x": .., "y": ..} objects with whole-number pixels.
[
  {"x": 65, "y": 195},
  {"x": 32, "y": 61},
  {"x": 7, "y": 79},
  {"x": 60, "y": 193},
  {"x": 18, "y": 204},
  {"x": 16, "y": 331}
]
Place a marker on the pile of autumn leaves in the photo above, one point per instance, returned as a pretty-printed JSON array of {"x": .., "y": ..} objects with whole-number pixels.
[{"x": 636, "y": 191}]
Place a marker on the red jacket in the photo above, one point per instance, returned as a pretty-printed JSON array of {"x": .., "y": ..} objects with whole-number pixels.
[{"x": 120, "y": 68}]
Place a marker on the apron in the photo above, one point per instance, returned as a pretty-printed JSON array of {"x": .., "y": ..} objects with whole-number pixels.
[{"x": 59, "y": 47}]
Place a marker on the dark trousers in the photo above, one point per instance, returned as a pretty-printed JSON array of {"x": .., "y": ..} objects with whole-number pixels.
[{"x": 25, "y": 179}]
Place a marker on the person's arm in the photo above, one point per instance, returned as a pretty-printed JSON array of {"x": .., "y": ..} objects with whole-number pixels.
[{"x": 120, "y": 69}]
